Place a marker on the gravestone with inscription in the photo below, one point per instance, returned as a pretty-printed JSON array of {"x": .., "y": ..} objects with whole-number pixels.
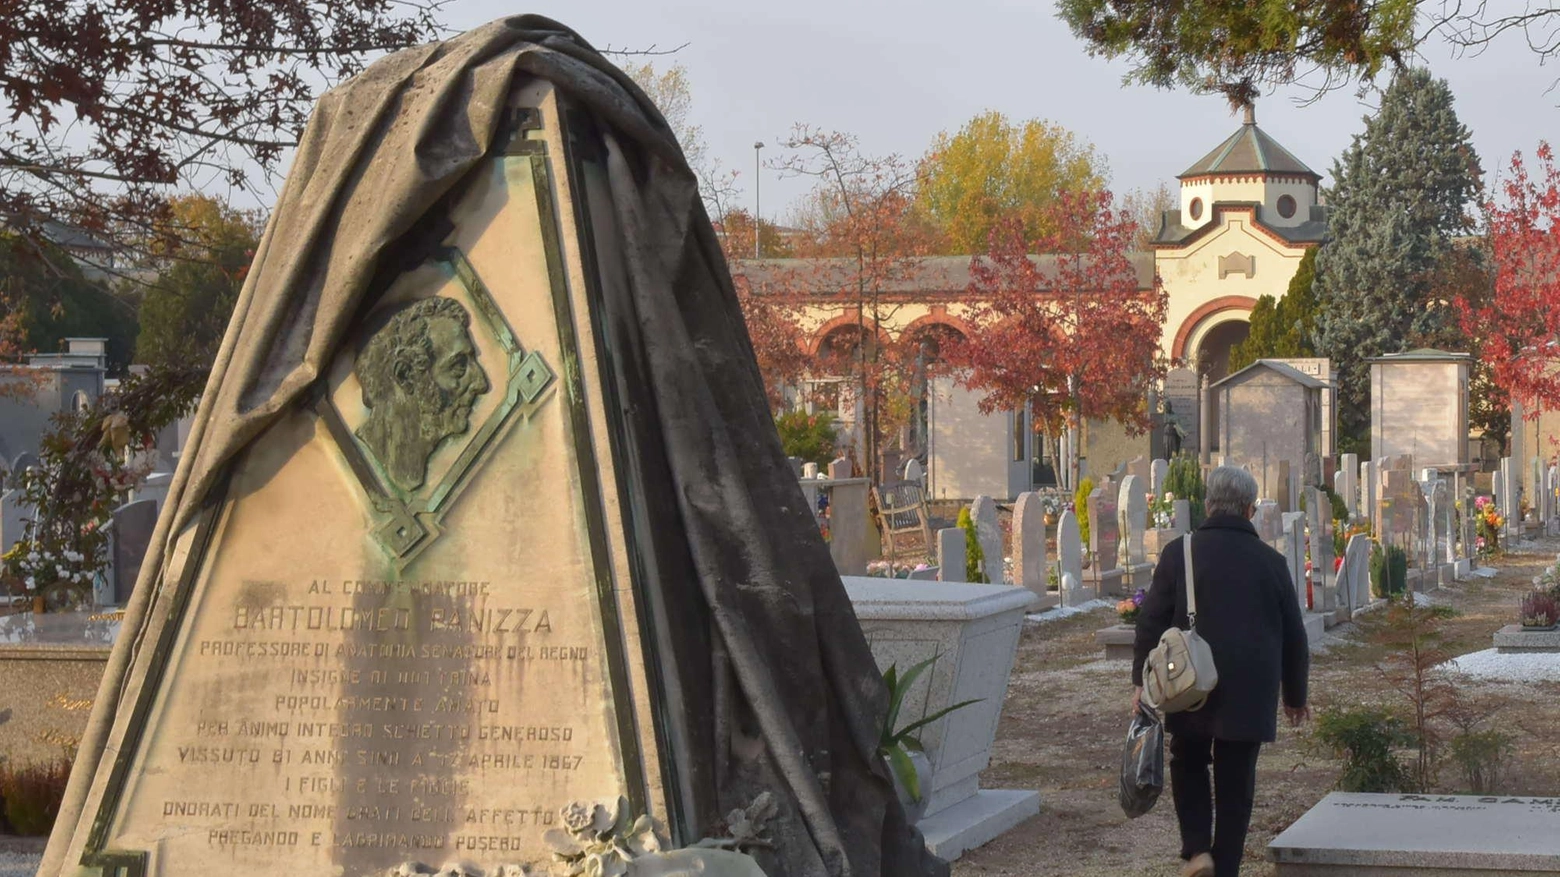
[{"x": 486, "y": 558}]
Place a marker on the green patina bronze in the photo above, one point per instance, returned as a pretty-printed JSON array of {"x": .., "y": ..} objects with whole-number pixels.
[{"x": 420, "y": 378}]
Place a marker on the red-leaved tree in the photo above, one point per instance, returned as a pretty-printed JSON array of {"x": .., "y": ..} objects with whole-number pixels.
[
  {"x": 1071, "y": 331},
  {"x": 1515, "y": 330}
]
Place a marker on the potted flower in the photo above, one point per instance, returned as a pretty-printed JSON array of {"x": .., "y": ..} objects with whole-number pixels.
[
  {"x": 1488, "y": 523},
  {"x": 1127, "y": 610},
  {"x": 1539, "y": 611},
  {"x": 902, "y": 749}
]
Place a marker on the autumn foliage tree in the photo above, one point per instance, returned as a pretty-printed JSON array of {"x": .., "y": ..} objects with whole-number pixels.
[
  {"x": 993, "y": 169},
  {"x": 862, "y": 240},
  {"x": 1516, "y": 326},
  {"x": 112, "y": 104},
  {"x": 1070, "y": 332}
]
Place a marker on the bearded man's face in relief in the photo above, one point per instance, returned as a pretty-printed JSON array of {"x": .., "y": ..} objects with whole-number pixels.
[{"x": 420, "y": 379}]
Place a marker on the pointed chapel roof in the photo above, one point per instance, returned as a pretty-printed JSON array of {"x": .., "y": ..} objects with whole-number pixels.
[{"x": 1249, "y": 151}]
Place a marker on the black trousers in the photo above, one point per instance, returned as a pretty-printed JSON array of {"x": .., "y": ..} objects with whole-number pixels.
[{"x": 1213, "y": 818}]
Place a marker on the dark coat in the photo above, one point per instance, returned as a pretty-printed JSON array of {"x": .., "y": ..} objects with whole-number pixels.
[{"x": 1247, "y": 611}]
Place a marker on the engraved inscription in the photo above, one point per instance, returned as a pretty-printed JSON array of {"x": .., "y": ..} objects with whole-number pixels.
[{"x": 420, "y": 379}]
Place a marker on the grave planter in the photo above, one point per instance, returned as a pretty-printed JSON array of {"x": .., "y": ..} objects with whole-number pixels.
[
  {"x": 974, "y": 630},
  {"x": 1538, "y": 628}
]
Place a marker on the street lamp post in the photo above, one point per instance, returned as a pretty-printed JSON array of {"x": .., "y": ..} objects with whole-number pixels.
[{"x": 758, "y": 146}]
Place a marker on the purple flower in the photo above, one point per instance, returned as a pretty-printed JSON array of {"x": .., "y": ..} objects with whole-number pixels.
[{"x": 1139, "y": 597}]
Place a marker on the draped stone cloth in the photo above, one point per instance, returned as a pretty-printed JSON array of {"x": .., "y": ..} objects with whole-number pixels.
[{"x": 778, "y": 688}]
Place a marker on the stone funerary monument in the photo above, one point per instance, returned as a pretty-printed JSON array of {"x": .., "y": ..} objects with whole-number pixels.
[{"x": 484, "y": 550}]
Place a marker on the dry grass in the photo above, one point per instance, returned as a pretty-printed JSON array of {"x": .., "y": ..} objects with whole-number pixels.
[{"x": 1067, "y": 710}]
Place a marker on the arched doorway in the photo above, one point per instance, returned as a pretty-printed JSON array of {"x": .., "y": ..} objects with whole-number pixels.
[{"x": 1212, "y": 362}]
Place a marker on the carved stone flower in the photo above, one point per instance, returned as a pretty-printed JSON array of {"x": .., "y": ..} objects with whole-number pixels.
[{"x": 577, "y": 817}]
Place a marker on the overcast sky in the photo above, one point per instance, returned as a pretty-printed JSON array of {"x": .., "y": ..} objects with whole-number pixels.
[{"x": 895, "y": 72}]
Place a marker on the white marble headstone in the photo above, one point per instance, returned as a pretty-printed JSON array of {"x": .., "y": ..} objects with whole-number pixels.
[
  {"x": 1294, "y": 552},
  {"x": 1349, "y": 482},
  {"x": 1157, "y": 471},
  {"x": 1132, "y": 506},
  {"x": 914, "y": 472},
  {"x": 1269, "y": 522},
  {"x": 1069, "y": 548},
  {"x": 983, "y": 511},
  {"x": 1354, "y": 578}
]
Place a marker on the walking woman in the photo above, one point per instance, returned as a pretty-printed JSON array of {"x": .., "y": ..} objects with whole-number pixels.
[{"x": 1248, "y": 613}]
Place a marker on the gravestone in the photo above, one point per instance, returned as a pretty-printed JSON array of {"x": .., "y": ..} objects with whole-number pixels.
[
  {"x": 1283, "y": 487},
  {"x": 133, "y": 525},
  {"x": 1349, "y": 488},
  {"x": 1029, "y": 569},
  {"x": 1363, "y": 834},
  {"x": 915, "y": 472},
  {"x": 1069, "y": 557},
  {"x": 1354, "y": 575},
  {"x": 1157, "y": 471},
  {"x": 983, "y": 511},
  {"x": 952, "y": 555},
  {"x": 1269, "y": 522},
  {"x": 1181, "y": 512},
  {"x": 465, "y": 508},
  {"x": 1400, "y": 505},
  {"x": 1294, "y": 553},
  {"x": 1369, "y": 489},
  {"x": 1311, "y": 471},
  {"x": 1140, "y": 467},
  {"x": 1133, "y": 504},
  {"x": 1104, "y": 529},
  {"x": 13, "y": 515},
  {"x": 1552, "y": 500},
  {"x": 840, "y": 469},
  {"x": 1319, "y": 529}
]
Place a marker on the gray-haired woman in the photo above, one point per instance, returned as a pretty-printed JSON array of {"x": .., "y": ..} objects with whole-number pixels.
[{"x": 1248, "y": 612}]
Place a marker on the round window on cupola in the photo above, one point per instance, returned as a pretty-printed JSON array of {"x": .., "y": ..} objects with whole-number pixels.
[
  {"x": 1195, "y": 209},
  {"x": 1286, "y": 206}
]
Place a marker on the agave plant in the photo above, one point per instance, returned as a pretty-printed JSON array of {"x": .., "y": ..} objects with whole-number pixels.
[{"x": 896, "y": 746}]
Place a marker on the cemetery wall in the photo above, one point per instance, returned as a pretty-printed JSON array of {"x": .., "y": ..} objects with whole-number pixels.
[{"x": 1108, "y": 445}]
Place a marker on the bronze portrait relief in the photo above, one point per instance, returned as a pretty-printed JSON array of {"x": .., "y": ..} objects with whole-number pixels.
[{"x": 420, "y": 378}]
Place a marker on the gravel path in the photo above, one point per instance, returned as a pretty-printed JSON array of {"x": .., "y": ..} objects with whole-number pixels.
[{"x": 18, "y": 864}]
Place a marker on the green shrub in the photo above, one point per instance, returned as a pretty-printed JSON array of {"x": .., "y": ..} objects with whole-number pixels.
[
  {"x": 1364, "y": 739},
  {"x": 812, "y": 438},
  {"x": 32, "y": 795},
  {"x": 1483, "y": 757},
  {"x": 1081, "y": 509},
  {"x": 974, "y": 558},
  {"x": 1388, "y": 571},
  {"x": 1184, "y": 479},
  {"x": 1340, "y": 509}
]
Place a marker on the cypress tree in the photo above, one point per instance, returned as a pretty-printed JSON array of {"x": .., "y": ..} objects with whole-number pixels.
[
  {"x": 1282, "y": 330},
  {"x": 1400, "y": 195}
]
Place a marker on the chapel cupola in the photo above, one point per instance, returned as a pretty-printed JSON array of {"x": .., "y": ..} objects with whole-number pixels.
[{"x": 1251, "y": 171}]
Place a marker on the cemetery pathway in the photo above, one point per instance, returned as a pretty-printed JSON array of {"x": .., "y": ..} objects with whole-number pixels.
[{"x": 1067, "y": 709}]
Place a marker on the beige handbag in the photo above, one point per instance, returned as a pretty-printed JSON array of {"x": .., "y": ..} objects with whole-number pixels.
[{"x": 1179, "y": 673}]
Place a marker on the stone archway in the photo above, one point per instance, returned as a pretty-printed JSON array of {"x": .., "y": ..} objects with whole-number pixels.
[{"x": 1211, "y": 359}]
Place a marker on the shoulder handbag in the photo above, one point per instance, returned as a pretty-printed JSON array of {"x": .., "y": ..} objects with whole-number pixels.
[{"x": 1179, "y": 671}]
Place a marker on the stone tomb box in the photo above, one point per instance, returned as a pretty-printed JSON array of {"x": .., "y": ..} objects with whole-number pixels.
[
  {"x": 353, "y": 670},
  {"x": 1269, "y": 412},
  {"x": 1419, "y": 407},
  {"x": 973, "y": 630}
]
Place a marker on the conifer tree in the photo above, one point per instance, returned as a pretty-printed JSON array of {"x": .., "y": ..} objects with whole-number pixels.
[
  {"x": 1282, "y": 330},
  {"x": 1400, "y": 195}
]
